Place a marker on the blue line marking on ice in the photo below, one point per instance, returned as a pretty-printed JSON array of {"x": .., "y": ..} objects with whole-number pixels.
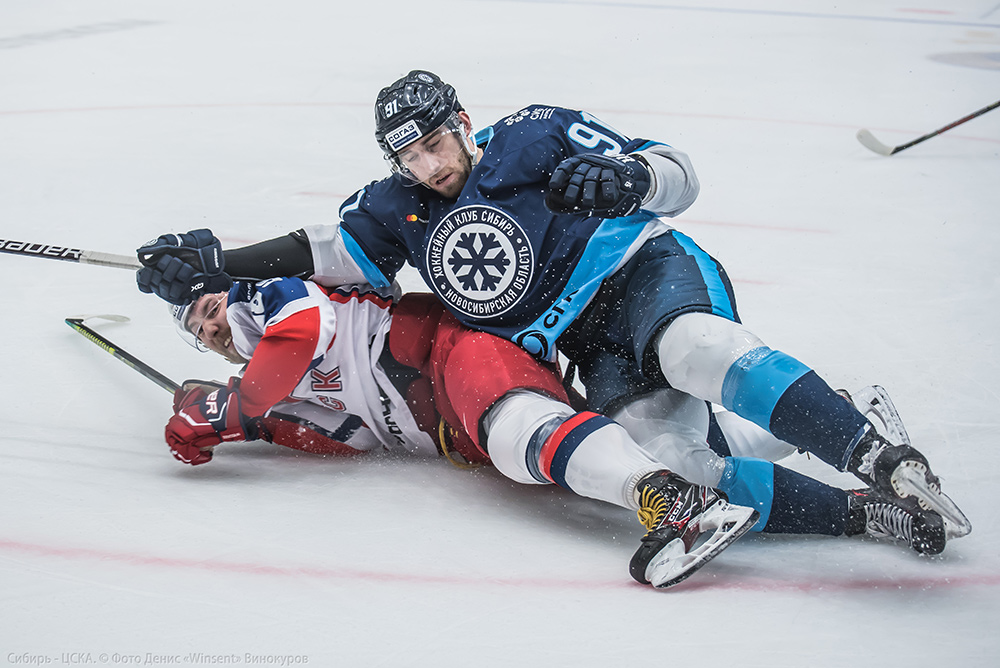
[{"x": 768, "y": 12}]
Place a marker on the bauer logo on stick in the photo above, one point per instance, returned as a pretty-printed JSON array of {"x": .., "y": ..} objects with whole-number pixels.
[{"x": 27, "y": 248}]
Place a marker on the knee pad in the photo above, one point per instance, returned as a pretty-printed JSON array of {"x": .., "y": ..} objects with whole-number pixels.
[{"x": 696, "y": 351}]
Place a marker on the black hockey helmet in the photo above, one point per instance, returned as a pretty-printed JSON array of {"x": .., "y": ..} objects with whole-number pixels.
[{"x": 409, "y": 108}]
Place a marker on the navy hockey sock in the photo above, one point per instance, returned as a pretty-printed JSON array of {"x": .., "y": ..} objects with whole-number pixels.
[
  {"x": 805, "y": 505},
  {"x": 812, "y": 417},
  {"x": 788, "y": 502}
]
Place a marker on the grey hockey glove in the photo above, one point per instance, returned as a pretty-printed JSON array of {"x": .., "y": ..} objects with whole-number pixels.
[
  {"x": 610, "y": 186},
  {"x": 180, "y": 267}
]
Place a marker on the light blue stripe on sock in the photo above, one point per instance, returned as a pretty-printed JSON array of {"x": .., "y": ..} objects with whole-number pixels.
[
  {"x": 750, "y": 482},
  {"x": 756, "y": 381}
]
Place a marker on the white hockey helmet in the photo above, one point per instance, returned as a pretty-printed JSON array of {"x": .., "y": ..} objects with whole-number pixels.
[{"x": 179, "y": 314}]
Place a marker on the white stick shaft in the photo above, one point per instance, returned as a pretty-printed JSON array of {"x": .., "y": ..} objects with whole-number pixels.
[{"x": 110, "y": 260}]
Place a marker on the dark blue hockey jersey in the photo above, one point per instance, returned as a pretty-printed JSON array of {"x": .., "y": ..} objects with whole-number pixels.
[{"x": 496, "y": 256}]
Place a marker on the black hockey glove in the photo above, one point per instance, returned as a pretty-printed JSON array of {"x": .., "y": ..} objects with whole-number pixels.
[
  {"x": 611, "y": 186},
  {"x": 180, "y": 267}
]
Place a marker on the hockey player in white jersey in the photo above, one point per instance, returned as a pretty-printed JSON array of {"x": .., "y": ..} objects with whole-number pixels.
[
  {"x": 344, "y": 351},
  {"x": 331, "y": 371}
]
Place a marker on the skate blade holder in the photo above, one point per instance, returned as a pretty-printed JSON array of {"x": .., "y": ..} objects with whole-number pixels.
[
  {"x": 910, "y": 479},
  {"x": 720, "y": 527}
]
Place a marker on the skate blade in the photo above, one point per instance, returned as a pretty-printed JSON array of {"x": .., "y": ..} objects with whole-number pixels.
[
  {"x": 674, "y": 564},
  {"x": 874, "y": 402},
  {"x": 912, "y": 481}
]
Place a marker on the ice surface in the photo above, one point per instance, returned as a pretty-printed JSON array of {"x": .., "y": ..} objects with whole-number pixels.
[{"x": 120, "y": 121}]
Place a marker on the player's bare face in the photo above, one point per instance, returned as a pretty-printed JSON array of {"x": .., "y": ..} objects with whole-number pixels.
[
  {"x": 208, "y": 322},
  {"x": 439, "y": 161}
]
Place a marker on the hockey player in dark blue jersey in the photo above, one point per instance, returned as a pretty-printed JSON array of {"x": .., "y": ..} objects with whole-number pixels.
[{"x": 551, "y": 229}]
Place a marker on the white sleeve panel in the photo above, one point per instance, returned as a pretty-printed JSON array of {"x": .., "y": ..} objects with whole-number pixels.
[
  {"x": 674, "y": 185},
  {"x": 672, "y": 427},
  {"x": 332, "y": 262},
  {"x": 333, "y": 424}
]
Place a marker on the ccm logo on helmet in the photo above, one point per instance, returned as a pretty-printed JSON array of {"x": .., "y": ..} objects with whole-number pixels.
[{"x": 405, "y": 134}]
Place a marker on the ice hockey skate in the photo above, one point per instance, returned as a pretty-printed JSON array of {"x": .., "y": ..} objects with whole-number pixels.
[
  {"x": 882, "y": 516},
  {"x": 885, "y": 460},
  {"x": 688, "y": 526}
]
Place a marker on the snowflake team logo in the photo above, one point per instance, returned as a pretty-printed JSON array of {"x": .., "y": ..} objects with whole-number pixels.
[{"x": 479, "y": 261}]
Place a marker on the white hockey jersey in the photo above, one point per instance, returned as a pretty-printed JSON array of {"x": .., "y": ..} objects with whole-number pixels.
[{"x": 321, "y": 347}]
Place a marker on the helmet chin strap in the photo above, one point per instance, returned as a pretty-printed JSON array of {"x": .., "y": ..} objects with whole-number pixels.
[{"x": 469, "y": 144}]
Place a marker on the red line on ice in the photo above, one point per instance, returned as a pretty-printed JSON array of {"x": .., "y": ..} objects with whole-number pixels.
[
  {"x": 681, "y": 222},
  {"x": 273, "y": 570},
  {"x": 925, "y": 11},
  {"x": 503, "y": 110},
  {"x": 705, "y": 581}
]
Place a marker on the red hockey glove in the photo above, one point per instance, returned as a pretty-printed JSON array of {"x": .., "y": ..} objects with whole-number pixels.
[
  {"x": 192, "y": 391},
  {"x": 204, "y": 418}
]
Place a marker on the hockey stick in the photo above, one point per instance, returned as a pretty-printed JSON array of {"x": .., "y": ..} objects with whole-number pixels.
[
  {"x": 869, "y": 141},
  {"x": 108, "y": 346},
  {"x": 69, "y": 254}
]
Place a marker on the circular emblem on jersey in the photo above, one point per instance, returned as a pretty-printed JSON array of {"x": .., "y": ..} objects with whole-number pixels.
[{"x": 479, "y": 261}]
